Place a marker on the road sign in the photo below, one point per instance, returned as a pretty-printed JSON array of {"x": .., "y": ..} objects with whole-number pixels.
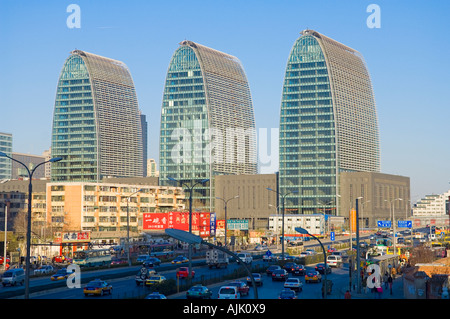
[
  {"x": 404, "y": 224},
  {"x": 268, "y": 253},
  {"x": 384, "y": 223},
  {"x": 332, "y": 237}
]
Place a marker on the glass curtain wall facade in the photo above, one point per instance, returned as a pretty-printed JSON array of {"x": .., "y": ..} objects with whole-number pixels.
[
  {"x": 96, "y": 123},
  {"x": 207, "y": 120},
  {"x": 6, "y": 141},
  {"x": 328, "y": 123}
]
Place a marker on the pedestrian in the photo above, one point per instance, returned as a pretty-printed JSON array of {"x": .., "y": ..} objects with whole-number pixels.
[
  {"x": 379, "y": 292},
  {"x": 348, "y": 295},
  {"x": 390, "y": 280},
  {"x": 364, "y": 284},
  {"x": 393, "y": 272},
  {"x": 385, "y": 280}
]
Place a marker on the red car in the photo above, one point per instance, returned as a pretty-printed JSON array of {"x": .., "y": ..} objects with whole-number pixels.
[
  {"x": 183, "y": 272},
  {"x": 242, "y": 287}
]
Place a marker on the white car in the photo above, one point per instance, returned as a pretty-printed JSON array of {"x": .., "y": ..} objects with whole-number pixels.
[
  {"x": 311, "y": 251},
  {"x": 334, "y": 261},
  {"x": 229, "y": 292},
  {"x": 293, "y": 284},
  {"x": 44, "y": 270},
  {"x": 245, "y": 258}
]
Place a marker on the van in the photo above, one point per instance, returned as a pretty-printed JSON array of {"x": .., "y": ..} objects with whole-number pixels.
[
  {"x": 13, "y": 277},
  {"x": 334, "y": 260},
  {"x": 229, "y": 292},
  {"x": 245, "y": 258}
]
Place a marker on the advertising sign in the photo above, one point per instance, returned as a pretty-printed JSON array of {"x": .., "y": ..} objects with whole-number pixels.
[{"x": 178, "y": 220}]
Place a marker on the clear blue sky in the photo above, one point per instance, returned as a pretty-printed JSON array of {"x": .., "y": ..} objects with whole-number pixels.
[{"x": 407, "y": 57}]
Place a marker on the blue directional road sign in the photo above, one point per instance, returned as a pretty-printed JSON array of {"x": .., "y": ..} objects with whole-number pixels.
[
  {"x": 384, "y": 223},
  {"x": 404, "y": 224},
  {"x": 332, "y": 237}
]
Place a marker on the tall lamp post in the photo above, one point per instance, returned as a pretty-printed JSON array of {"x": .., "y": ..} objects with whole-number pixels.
[
  {"x": 30, "y": 191},
  {"x": 194, "y": 239},
  {"x": 358, "y": 254},
  {"x": 128, "y": 226},
  {"x": 283, "y": 197},
  {"x": 225, "y": 201},
  {"x": 190, "y": 188},
  {"x": 325, "y": 283}
]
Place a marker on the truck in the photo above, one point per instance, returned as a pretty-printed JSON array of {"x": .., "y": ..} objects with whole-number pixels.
[{"x": 216, "y": 258}]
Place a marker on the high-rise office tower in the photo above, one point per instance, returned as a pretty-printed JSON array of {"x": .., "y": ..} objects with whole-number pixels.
[
  {"x": 328, "y": 123},
  {"x": 96, "y": 123},
  {"x": 207, "y": 120},
  {"x": 6, "y": 141}
]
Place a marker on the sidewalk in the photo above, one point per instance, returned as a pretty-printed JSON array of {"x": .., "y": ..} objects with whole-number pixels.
[{"x": 397, "y": 291}]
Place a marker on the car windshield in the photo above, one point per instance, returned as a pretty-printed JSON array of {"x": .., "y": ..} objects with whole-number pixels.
[
  {"x": 227, "y": 291},
  {"x": 7, "y": 274},
  {"x": 94, "y": 284},
  {"x": 197, "y": 289}
]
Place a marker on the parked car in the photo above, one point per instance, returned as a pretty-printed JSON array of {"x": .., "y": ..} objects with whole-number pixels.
[
  {"x": 97, "y": 287},
  {"x": 242, "y": 287},
  {"x": 279, "y": 274},
  {"x": 294, "y": 284},
  {"x": 198, "y": 292},
  {"x": 44, "y": 270},
  {"x": 118, "y": 261},
  {"x": 228, "y": 292}
]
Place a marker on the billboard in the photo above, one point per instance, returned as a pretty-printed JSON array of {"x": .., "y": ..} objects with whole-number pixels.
[{"x": 201, "y": 223}]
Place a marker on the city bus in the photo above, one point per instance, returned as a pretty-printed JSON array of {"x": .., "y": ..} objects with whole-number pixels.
[{"x": 91, "y": 258}]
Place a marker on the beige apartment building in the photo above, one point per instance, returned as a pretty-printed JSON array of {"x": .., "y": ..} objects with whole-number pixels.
[{"x": 381, "y": 196}]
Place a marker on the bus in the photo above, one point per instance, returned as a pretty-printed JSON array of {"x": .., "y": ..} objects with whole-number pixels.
[{"x": 92, "y": 258}]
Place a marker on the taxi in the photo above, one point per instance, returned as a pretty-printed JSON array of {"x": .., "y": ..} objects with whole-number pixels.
[
  {"x": 198, "y": 292},
  {"x": 60, "y": 275},
  {"x": 313, "y": 276},
  {"x": 180, "y": 260},
  {"x": 154, "y": 279},
  {"x": 97, "y": 287}
]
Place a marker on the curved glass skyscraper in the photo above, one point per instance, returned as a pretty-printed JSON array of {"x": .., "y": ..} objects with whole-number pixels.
[
  {"x": 96, "y": 122},
  {"x": 207, "y": 120},
  {"x": 328, "y": 122}
]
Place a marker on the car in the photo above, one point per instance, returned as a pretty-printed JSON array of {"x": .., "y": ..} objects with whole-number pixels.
[
  {"x": 198, "y": 292},
  {"x": 268, "y": 257},
  {"x": 183, "y": 272},
  {"x": 228, "y": 292},
  {"x": 44, "y": 270},
  {"x": 298, "y": 270},
  {"x": 154, "y": 279},
  {"x": 118, "y": 261},
  {"x": 97, "y": 287},
  {"x": 257, "y": 278},
  {"x": 294, "y": 284},
  {"x": 343, "y": 254},
  {"x": 271, "y": 269},
  {"x": 143, "y": 274},
  {"x": 141, "y": 258},
  {"x": 311, "y": 252},
  {"x": 334, "y": 261},
  {"x": 321, "y": 268},
  {"x": 242, "y": 287},
  {"x": 61, "y": 274},
  {"x": 313, "y": 276},
  {"x": 287, "y": 294},
  {"x": 288, "y": 266},
  {"x": 13, "y": 277},
  {"x": 180, "y": 260},
  {"x": 151, "y": 262},
  {"x": 279, "y": 274},
  {"x": 245, "y": 258},
  {"x": 155, "y": 295},
  {"x": 304, "y": 254},
  {"x": 331, "y": 249}
]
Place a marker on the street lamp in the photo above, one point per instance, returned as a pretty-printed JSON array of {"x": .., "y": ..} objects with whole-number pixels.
[
  {"x": 190, "y": 188},
  {"x": 30, "y": 190},
  {"x": 226, "y": 204},
  {"x": 325, "y": 283},
  {"x": 282, "y": 221},
  {"x": 128, "y": 226},
  {"x": 358, "y": 254},
  {"x": 194, "y": 239}
]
